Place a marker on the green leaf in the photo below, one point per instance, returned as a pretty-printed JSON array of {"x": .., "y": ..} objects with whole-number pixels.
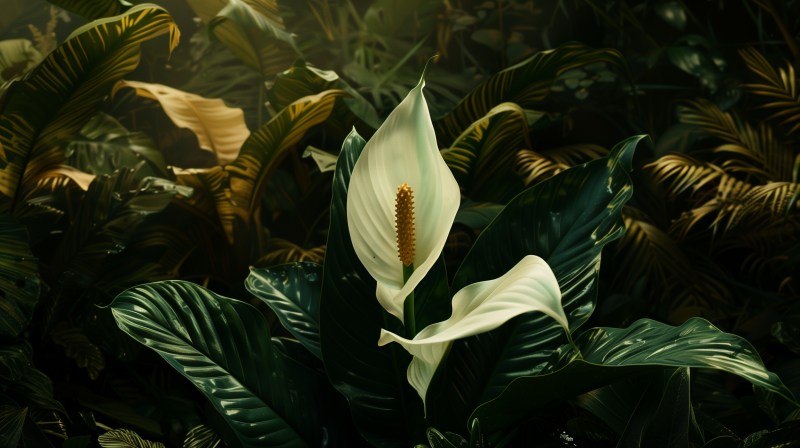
[
  {"x": 385, "y": 408},
  {"x": 525, "y": 84},
  {"x": 661, "y": 418},
  {"x": 34, "y": 390},
  {"x": 611, "y": 354},
  {"x": 768, "y": 402},
  {"x": 50, "y": 104},
  {"x": 11, "y": 421},
  {"x": 292, "y": 291},
  {"x": 125, "y": 438},
  {"x": 19, "y": 277},
  {"x": 103, "y": 145},
  {"x": 93, "y": 9},
  {"x": 119, "y": 410},
  {"x": 17, "y": 56},
  {"x": 477, "y": 215},
  {"x": 787, "y": 331},
  {"x": 303, "y": 79},
  {"x": 446, "y": 440},
  {"x": 77, "y": 442},
  {"x": 566, "y": 220},
  {"x": 15, "y": 360},
  {"x": 223, "y": 347},
  {"x": 483, "y": 155},
  {"x": 476, "y": 435},
  {"x": 256, "y": 36}
]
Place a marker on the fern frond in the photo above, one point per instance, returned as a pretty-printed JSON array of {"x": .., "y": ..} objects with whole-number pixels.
[
  {"x": 706, "y": 115},
  {"x": 775, "y": 197},
  {"x": 686, "y": 172},
  {"x": 535, "y": 166}
]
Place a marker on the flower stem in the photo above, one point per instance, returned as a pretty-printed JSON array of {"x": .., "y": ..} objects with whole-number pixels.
[{"x": 408, "y": 305}]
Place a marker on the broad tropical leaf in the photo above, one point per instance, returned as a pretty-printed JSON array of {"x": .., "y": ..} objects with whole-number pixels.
[
  {"x": 481, "y": 158},
  {"x": 125, "y": 438},
  {"x": 223, "y": 347},
  {"x": 103, "y": 145},
  {"x": 93, "y": 9},
  {"x": 19, "y": 277},
  {"x": 292, "y": 291},
  {"x": 201, "y": 437},
  {"x": 385, "y": 408},
  {"x": 525, "y": 84},
  {"x": 566, "y": 220},
  {"x": 256, "y": 35},
  {"x": 610, "y": 354},
  {"x": 33, "y": 390},
  {"x": 54, "y": 101},
  {"x": 219, "y": 129},
  {"x": 236, "y": 188}
]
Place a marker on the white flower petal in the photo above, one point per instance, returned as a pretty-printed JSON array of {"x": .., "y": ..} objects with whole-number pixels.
[
  {"x": 481, "y": 307},
  {"x": 403, "y": 150}
]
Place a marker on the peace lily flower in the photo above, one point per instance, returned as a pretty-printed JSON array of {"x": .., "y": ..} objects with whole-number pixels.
[{"x": 401, "y": 203}]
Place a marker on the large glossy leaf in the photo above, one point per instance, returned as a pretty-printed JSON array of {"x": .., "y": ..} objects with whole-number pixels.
[
  {"x": 483, "y": 155},
  {"x": 566, "y": 220},
  {"x": 93, "y": 9},
  {"x": 256, "y": 35},
  {"x": 611, "y": 354},
  {"x": 54, "y": 101},
  {"x": 19, "y": 277},
  {"x": 292, "y": 291},
  {"x": 223, "y": 347},
  {"x": 525, "y": 84},
  {"x": 236, "y": 188},
  {"x": 385, "y": 408},
  {"x": 219, "y": 129}
]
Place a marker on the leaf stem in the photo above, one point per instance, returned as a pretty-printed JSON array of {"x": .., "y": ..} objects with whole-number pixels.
[
  {"x": 572, "y": 343},
  {"x": 408, "y": 306}
]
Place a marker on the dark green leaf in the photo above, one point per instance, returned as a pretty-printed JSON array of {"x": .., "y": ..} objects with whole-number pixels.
[
  {"x": 446, "y": 440},
  {"x": 566, "y": 220},
  {"x": 120, "y": 411},
  {"x": 477, "y": 215},
  {"x": 15, "y": 360},
  {"x": 768, "y": 402},
  {"x": 34, "y": 390},
  {"x": 611, "y": 354},
  {"x": 292, "y": 291},
  {"x": 11, "y": 421},
  {"x": 93, "y": 9},
  {"x": 223, "y": 347},
  {"x": 19, "y": 278},
  {"x": 77, "y": 442}
]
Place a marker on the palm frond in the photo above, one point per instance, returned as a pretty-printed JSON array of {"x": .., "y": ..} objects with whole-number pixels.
[
  {"x": 781, "y": 85},
  {"x": 537, "y": 166},
  {"x": 283, "y": 251},
  {"x": 686, "y": 172}
]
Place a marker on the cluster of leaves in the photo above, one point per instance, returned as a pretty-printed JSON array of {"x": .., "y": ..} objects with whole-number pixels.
[{"x": 127, "y": 158}]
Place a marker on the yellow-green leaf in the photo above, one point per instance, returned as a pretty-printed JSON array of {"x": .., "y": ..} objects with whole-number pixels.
[
  {"x": 50, "y": 104},
  {"x": 236, "y": 188},
  {"x": 219, "y": 129}
]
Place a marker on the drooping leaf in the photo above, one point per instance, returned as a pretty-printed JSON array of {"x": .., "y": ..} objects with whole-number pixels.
[
  {"x": 566, "y": 220},
  {"x": 385, "y": 408},
  {"x": 78, "y": 347},
  {"x": 93, "y": 9},
  {"x": 292, "y": 291},
  {"x": 611, "y": 354},
  {"x": 19, "y": 277},
  {"x": 219, "y": 129},
  {"x": 15, "y": 360},
  {"x": 223, "y": 347},
  {"x": 483, "y": 155},
  {"x": 125, "y": 438},
  {"x": 55, "y": 101},
  {"x": 525, "y": 84},
  {"x": 236, "y": 188},
  {"x": 17, "y": 56}
]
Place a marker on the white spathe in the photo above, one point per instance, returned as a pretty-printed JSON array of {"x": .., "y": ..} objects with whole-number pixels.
[
  {"x": 403, "y": 150},
  {"x": 480, "y": 307}
]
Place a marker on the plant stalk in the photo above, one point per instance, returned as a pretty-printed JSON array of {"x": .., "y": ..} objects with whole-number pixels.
[{"x": 409, "y": 323}]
